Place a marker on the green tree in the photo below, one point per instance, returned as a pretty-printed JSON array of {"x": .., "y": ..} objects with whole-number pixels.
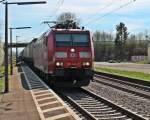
[
  {"x": 120, "y": 41},
  {"x": 131, "y": 45},
  {"x": 103, "y": 46}
]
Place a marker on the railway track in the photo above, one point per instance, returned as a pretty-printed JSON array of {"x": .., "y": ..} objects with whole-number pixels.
[
  {"x": 96, "y": 107},
  {"x": 76, "y": 110},
  {"x": 84, "y": 103},
  {"x": 123, "y": 78},
  {"x": 130, "y": 87}
]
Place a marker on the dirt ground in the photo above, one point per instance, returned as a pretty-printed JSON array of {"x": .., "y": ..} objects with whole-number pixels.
[{"x": 125, "y": 66}]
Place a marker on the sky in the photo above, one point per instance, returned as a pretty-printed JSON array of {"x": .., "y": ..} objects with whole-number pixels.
[{"x": 94, "y": 15}]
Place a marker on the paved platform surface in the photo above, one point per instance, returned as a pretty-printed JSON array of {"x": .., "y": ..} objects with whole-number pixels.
[
  {"x": 18, "y": 103},
  {"x": 125, "y": 66},
  {"x": 48, "y": 103}
]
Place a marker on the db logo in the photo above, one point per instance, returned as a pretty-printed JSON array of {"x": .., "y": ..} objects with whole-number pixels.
[{"x": 73, "y": 55}]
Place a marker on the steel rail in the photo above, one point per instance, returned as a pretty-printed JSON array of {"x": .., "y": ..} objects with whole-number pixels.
[
  {"x": 76, "y": 105},
  {"x": 139, "y": 93},
  {"x": 121, "y": 109},
  {"x": 123, "y": 78},
  {"x": 122, "y": 81}
]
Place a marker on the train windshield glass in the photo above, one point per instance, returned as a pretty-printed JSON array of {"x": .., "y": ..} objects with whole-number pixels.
[
  {"x": 72, "y": 40},
  {"x": 63, "y": 40},
  {"x": 80, "y": 40}
]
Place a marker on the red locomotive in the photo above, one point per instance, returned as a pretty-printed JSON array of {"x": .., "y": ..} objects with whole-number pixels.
[{"x": 64, "y": 56}]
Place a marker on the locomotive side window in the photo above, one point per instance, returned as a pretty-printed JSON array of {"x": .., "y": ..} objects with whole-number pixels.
[
  {"x": 45, "y": 40},
  {"x": 63, "y": 40},
  {"x": 80, "y": 40}
]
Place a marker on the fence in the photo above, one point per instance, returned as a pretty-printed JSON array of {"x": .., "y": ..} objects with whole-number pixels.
[{"x": 138, "y": 58}]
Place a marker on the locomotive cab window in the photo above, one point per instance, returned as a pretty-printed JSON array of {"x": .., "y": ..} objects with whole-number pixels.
[
  {"x": 80, "y": 40},
  {"x": 63, "y": 40},
  {"x": 45, "y": 41},
  {"x": 72, "y": 40}
]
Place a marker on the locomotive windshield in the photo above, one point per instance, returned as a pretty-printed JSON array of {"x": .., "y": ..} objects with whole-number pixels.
[
  {"x": 63, "y": 40},
  {"x": 72, "y": 40}
]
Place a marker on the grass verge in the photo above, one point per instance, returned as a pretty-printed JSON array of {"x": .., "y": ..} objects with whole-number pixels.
[
  {"x": 143, "y": 62},
  {"x": 1, "y": 79},
  {"x": 1, "y": 84},
  {"x": 1, "y": 69},
  {"x": 131, "y": 74}
]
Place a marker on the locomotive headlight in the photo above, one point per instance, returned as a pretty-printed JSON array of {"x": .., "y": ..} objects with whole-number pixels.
[
  {"x": 59, "y": 64},
  {"x": 86, "y": 63}
]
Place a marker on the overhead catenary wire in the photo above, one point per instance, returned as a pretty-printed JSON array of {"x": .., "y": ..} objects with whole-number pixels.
[
  {"x": 108, "y": 13},
  {"x": 101, "y": 9},
  {"x": 26, "y": 40},
  {"x": 58, "y": 6},
  {"x": 61, "y": 4}
]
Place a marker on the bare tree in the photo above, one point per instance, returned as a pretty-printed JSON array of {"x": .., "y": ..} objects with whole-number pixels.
[
  {"x": 97, "y": 36},
  {"x": 103, "y": 46},
  {"x": 68, "y": 16}
]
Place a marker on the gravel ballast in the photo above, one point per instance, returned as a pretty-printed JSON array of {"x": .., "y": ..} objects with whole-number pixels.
[{"x": 134, "y": 103}]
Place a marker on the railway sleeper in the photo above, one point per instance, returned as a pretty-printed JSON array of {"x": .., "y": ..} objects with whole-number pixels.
[
  {"x": 108, "y": 115},
  {"x": 96, "y": 107},
  {"x": 123, "y": 117},
  {"x": 106, "y": 112},
  {"x": 94, "y": 104}
]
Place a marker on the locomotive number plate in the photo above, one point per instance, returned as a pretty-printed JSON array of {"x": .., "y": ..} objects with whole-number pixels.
[{"x": 72, "y": 55}]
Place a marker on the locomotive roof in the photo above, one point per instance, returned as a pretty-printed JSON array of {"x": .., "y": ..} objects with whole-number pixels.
[
  {"x": 69, "y": 30},
  {"x": 61, "y": 30},
  {"x": 33, "y": 40}
]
